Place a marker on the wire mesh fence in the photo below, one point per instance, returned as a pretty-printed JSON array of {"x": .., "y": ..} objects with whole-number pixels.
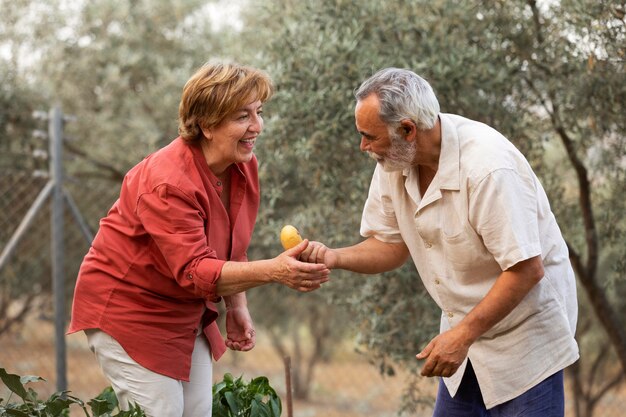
[{"x": 343, "y": 383}]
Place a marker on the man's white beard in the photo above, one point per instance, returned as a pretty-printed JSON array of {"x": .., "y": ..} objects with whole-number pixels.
[{"x": 401, "y": 154}]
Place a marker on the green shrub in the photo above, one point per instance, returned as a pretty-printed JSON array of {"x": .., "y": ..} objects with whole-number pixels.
[
  {"x": 231, "y": 398},
  {"x": 234, "y": 398},
  {"x": 59, "y": 403}
]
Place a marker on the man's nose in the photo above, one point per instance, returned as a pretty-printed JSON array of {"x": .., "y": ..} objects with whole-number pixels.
[{"x": 364, "y": 145}]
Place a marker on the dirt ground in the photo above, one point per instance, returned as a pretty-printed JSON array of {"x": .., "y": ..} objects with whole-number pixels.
[{"x": 346, "y": 386}]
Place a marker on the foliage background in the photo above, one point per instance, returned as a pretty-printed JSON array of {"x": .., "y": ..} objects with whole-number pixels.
[{"x": 550, "y": 75}]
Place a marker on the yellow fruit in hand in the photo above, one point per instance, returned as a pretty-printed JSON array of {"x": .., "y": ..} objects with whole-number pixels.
[{"x": 289, "y": 237}]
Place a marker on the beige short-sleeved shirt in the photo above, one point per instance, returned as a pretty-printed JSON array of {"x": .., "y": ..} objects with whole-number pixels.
[{"x": 484, "y": 211}]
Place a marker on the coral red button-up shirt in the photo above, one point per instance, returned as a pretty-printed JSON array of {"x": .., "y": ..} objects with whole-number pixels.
[{"x": 152, "y": 267}]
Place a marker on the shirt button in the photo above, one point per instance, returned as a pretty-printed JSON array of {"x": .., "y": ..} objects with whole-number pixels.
[
  {"x": 219, "y": 183},
  {"x": 190, "y": 276},
  {"x": 428, "y": 245},
  {"x": 437, "y": 281},
  {"x": 450, "y": 314}
]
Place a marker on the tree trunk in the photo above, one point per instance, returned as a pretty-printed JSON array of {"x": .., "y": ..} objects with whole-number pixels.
[{"x": 587, "y": 271}]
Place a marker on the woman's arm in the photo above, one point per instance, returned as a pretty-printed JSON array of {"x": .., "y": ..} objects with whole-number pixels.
[
  {"x": 240, "y": 332},
  {"x": 284, "y": 269}
]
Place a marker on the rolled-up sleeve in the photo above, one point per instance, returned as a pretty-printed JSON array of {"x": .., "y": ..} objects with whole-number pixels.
[
  {"x": 176, "y": 224},
  {"x": 504, "y": 213}
]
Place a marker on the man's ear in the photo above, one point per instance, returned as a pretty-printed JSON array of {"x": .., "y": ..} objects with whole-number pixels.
[{"x": 408, "y": 129}]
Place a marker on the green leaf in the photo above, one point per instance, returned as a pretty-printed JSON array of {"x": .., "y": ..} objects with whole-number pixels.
[
  {"x": 232, "y": 402},
  {"x": 133, "y": 411},
  {"x": 228, "y": 378},
  {"x": 17, "y": 413},
  {"x": 109, "y": 396},
  {"x": 276, "y": 406},
  {"x": 57, "y": 404},
  {"x": 100, "y": 406},
  {"x": 217, "y": 388},
  {"x": 25, "y": 379},
  {"x": 14, "y": 383},
  {"x": 32, "y": 394}
]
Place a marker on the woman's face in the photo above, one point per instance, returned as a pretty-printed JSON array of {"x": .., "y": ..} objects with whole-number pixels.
[{"x": 233, "y": 139}]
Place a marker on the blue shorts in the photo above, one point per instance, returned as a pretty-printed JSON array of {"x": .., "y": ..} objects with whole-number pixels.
[{"x": 545, "y": 399}]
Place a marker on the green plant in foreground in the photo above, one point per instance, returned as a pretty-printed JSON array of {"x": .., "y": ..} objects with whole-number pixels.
[
  {"x": 234, "y": 398},
  {"x": 59, "y": 403}
]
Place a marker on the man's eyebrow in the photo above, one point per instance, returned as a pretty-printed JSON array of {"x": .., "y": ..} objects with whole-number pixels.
[{"x": 367, "y": 135}]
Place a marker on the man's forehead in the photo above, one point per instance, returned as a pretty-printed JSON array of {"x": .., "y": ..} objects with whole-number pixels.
[
  {"x": 367, "y": 115},
  {"x": 368, "y": 104}
]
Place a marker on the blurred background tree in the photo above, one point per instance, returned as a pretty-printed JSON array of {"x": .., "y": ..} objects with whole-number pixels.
[{"x": 549, "y": 75}]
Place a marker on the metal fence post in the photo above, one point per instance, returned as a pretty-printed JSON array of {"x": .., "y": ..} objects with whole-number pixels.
[{"x": 55, "y": 130}]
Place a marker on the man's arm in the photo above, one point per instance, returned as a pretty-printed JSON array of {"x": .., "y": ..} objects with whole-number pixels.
[
  {"x": 445, "y": 353},
  {"x": 371, "y": 256}
]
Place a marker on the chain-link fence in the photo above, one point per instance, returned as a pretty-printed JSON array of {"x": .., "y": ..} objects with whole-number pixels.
[{"x": 343, "y": 383}]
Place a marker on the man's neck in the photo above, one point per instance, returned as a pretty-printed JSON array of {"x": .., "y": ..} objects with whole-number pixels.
[{"x": 429, "y": 148}]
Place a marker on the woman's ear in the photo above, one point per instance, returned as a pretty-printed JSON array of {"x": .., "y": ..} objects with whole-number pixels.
[{"x": 207, "y": 132}]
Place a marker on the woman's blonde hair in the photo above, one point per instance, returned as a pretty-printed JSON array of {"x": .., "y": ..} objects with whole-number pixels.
[{"x": 215, "y": 91}]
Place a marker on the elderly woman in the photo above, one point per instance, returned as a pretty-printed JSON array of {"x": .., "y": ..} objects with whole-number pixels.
[{"x": 174, "y": 244}]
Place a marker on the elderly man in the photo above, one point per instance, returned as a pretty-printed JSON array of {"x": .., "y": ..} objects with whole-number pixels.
[{"x": 465, "y": 204}]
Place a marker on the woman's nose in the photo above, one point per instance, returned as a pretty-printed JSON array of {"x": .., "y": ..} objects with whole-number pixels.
[{"x": 257, "y": 124}]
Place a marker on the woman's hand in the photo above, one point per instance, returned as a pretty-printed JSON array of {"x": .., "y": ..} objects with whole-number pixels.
[
  {"x": 285, "y": 269},
  {"x": 298, "y": 275},
  {"x": 240, "y": 333}
]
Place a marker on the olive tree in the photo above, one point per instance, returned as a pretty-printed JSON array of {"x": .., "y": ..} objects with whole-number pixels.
[
  {"x": 118, "y": 68},
  {"x": 550, "y": 76}
]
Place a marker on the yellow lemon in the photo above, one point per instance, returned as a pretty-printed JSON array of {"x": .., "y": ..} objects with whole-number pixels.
[{"x": 289, "y": 237}]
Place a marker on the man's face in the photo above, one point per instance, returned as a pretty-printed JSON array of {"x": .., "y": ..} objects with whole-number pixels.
[
  {"x": 392, "y": 151},
  {"x": 401, "y": 154}
]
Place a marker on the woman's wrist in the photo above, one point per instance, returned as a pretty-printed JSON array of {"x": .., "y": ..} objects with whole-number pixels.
[{"x": 236, "y": 301}]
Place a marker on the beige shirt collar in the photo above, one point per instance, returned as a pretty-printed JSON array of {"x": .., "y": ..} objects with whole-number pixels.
[{"x": 448, "y": 173}]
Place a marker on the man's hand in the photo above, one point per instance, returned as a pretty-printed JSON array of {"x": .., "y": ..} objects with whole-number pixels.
[
  {"x": 318, "y": 253},
  {"x": 444, "y": 354},
  {"x": 290, "y": 270},
  {"x": 240, "y": 333}
]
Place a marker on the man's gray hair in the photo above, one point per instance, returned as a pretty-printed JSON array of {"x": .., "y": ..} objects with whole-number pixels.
[{"x": 402, "y": 95}]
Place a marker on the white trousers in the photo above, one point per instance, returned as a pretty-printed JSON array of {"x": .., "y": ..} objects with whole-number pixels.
[{"x": 158, "y": 395}]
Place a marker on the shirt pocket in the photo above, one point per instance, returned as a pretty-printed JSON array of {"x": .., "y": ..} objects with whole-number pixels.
[{"x": 462, "y": 247}]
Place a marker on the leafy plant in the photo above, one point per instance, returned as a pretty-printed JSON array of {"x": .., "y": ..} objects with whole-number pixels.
[
  {"x": 59, "y": 403},
  {"x": 234, "y": 398}
]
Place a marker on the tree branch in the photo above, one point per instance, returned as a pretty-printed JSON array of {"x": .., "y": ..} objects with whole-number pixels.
[
  {"x": 586, "y": 273},
  {"x": 115, "y": 173}
]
